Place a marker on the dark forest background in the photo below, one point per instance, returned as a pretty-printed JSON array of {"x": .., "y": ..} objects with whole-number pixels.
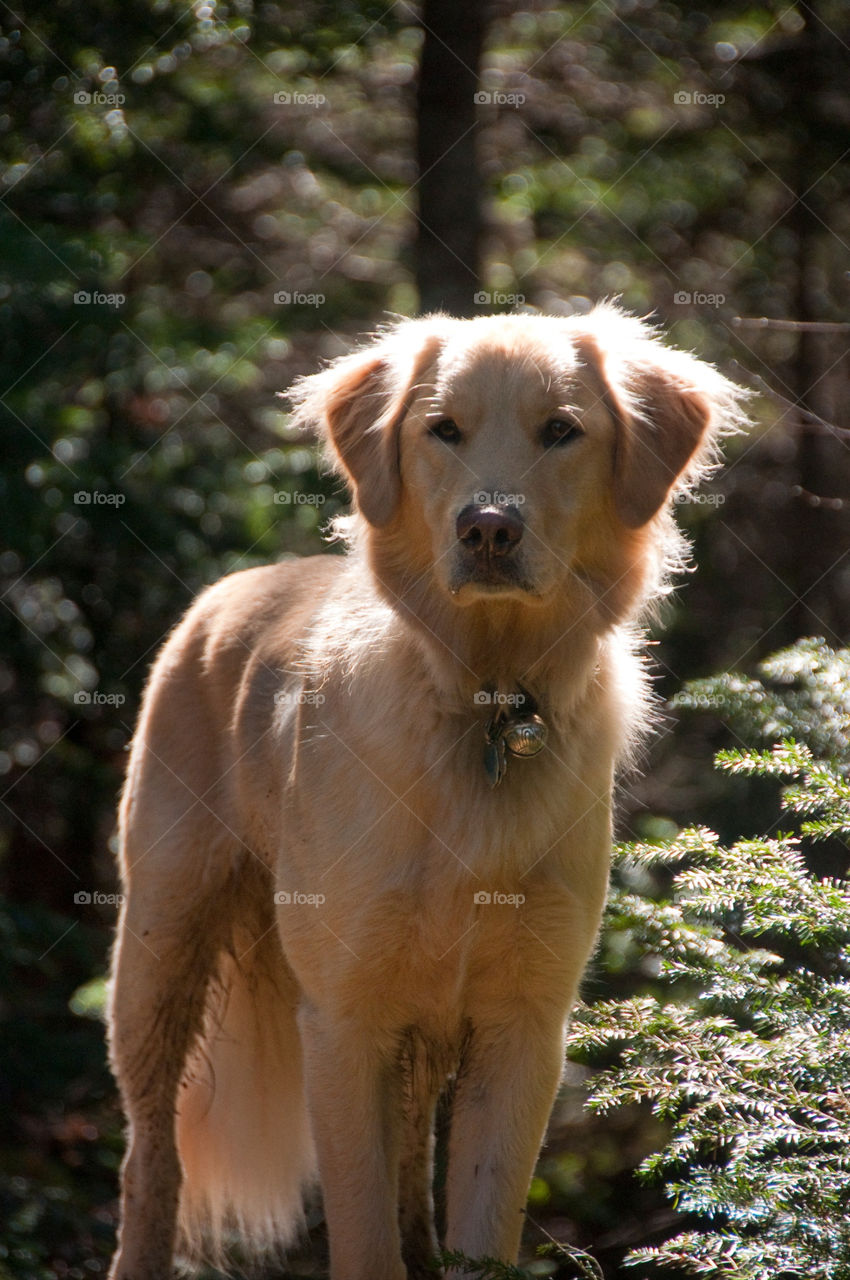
[{"x": 199, "y": 203}]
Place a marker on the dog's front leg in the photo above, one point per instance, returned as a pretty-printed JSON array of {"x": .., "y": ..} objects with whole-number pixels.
[
  {"x": 505, "y": 1091},
  {"x": 355, "y": 1106}
]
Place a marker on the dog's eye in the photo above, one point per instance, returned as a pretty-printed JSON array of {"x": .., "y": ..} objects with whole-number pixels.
[
  {"x": 446, "y": 430},
  {"x": 560, "y": 431}
]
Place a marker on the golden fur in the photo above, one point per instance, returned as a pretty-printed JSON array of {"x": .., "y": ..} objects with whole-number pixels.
[{"x": 305, "y": 956}]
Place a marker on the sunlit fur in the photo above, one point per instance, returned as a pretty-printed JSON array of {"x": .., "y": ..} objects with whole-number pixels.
[{"x": 314, "y": 728}]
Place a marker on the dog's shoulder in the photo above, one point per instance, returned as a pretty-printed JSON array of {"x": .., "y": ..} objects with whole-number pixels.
[
  {"x": 246, "y": 603},
  {"x": 249, "y": 611}
]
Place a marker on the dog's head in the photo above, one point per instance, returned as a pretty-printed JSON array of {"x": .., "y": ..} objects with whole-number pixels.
[{"x": 509, "y": 454}]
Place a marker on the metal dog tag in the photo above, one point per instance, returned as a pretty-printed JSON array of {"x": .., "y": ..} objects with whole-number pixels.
[
  {"x": 525, "y": 737},
  {"x": 520, "y": 735}
]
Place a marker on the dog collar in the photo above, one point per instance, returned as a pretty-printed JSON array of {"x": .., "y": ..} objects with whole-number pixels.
[{"x": 515, "y": 728}]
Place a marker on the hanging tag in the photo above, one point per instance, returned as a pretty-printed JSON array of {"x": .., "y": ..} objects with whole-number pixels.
[{"x": 495, "y": 759}]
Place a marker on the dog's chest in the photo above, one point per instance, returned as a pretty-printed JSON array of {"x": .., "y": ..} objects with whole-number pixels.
[{"x": 366, "y": 788}]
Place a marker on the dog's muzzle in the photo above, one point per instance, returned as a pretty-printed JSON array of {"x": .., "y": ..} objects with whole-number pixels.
[{"x": 488, "y": 551}]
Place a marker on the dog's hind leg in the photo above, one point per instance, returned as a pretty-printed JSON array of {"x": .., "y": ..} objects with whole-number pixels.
[{"x": 165, "y": 952}]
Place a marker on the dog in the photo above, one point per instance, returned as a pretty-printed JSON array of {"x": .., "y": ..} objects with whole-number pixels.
[{"x": 365, "y": 830}]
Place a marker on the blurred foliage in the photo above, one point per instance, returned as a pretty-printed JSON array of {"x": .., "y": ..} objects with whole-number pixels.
[
  {"x": 745, "y": 1051},
  {"x": 803, "y": 692},
  {"x": 199, "y": 203},
  {"x": 60, "y": 1139}
]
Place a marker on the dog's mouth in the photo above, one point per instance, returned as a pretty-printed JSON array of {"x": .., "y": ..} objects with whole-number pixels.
[{"x": 488, "y": 578}]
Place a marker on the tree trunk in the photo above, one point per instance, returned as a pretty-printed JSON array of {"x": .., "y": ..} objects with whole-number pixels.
[
  {"x": 448, "y": 240},
  {"x": 819, "y": 573}
]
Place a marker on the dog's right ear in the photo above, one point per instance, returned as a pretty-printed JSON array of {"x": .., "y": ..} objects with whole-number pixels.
[
  {"x": 359, "y": 404},
  {"x": 669, "y": 409}
]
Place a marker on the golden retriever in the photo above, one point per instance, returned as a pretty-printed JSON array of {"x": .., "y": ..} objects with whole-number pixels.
[{"x": 365, "y": 830}]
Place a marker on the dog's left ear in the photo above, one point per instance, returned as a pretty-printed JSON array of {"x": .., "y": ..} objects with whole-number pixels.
[
  {"x": 666, "y": 427},
  {"x": 670, "y": 410},
  {"x": 359, "y": 404}
]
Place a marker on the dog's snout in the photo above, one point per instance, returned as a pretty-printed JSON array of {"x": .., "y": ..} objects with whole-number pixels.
[{"x": 490, "y": 530}]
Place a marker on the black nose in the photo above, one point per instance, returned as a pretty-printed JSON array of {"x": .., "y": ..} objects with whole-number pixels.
[{"x": 489, "y": 531}]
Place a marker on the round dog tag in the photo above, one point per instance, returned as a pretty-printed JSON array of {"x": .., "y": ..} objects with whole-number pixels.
[{"x": 525, "y": 737}]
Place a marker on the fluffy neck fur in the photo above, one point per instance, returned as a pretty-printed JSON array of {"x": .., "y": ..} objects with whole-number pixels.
[{"x": 552, "y": 648}]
